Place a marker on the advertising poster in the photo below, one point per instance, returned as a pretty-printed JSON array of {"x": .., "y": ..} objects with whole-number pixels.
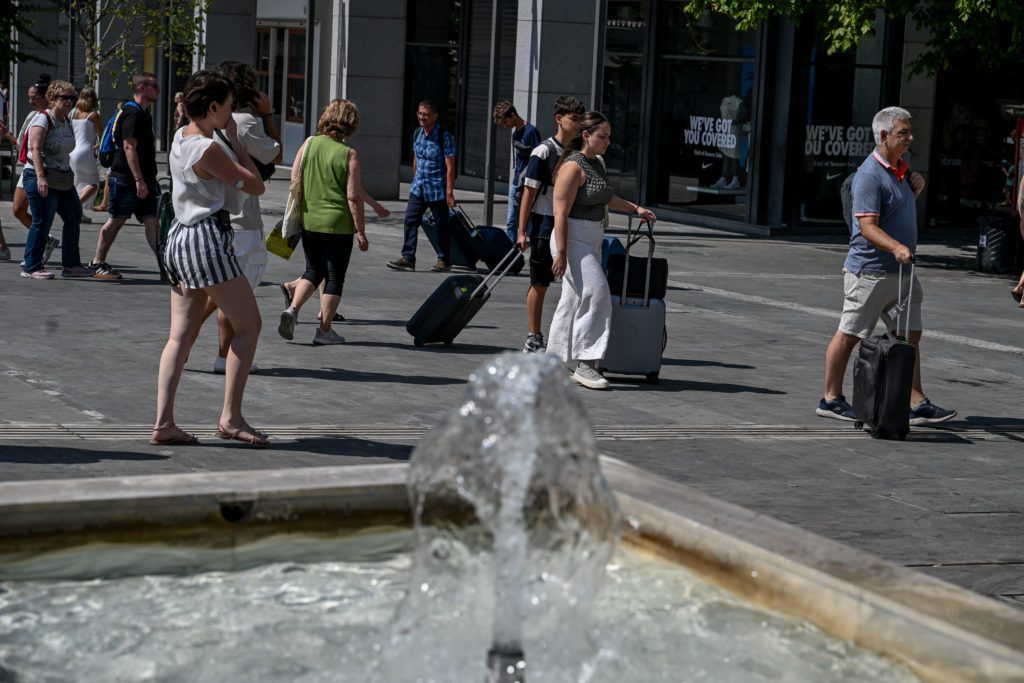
[{"x": 831, "y": 152}]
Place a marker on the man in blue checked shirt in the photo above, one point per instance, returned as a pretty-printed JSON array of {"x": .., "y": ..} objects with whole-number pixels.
[{"x": 433, "y": 167}]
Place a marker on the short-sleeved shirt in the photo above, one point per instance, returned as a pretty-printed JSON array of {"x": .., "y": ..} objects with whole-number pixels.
[
  {"x": 431, "y": 171},
  {"x": 196, "y": 198},
  {"x": 58, "y": 143},
  {"x": 523, "y": 142},
  {"x": 882, "y": 190},
  {"x": 137, "y": 124},
  {"x": 325, "y": 206},
  {"x": 260, "y": 146},
  {"x": 538, "y": 176}
]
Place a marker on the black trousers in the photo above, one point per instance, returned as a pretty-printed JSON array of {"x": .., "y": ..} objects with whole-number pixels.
[{"x": 327, "y": 257}]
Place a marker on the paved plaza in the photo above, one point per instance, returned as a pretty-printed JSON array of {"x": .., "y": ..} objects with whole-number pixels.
[{"x": 733, "y": 415}]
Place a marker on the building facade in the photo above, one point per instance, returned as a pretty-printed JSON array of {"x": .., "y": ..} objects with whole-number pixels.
[{"x": 752, "y": 131}]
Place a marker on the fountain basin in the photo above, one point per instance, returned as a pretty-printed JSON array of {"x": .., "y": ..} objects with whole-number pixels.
[{"x": 938, "y": 631}]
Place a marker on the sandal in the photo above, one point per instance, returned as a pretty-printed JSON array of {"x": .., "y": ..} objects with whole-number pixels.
[
  {"x": 183, "y": 439},
  {"x": 338, "y": 317},
  {"x": 287, "y": 296},
  {"x": 1017, "y": 295},
  {"x": 244, "y": 434}
]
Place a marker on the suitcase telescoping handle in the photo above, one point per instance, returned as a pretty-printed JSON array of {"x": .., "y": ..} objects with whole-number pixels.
[
  {"x": 500, "y": 270},
  {"x": 631, "y": 239},
  {"x": 904, "y": 305}
]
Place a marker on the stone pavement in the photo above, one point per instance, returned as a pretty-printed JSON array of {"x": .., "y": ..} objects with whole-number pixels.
[{"x": 748, "y": 321}]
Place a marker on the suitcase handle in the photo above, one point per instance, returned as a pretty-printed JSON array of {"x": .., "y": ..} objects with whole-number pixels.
[
  {"x": 900, "y": 306},
  {"x": 630, "y": 241},
  {"x": 511, "y": 257}
]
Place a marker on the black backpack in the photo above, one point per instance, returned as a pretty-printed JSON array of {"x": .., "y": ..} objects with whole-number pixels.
[
  {"x": 548, "y": 170},
  {"x": 846, "y": 195}
]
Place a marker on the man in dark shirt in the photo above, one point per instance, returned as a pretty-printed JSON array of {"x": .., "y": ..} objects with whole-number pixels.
[
  {"x": 525, "y": 137},
  {"x": 133, "y": 188}
]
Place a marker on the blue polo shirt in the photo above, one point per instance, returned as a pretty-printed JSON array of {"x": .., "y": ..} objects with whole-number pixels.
[
  {"x": 882, "y": 190},
  {"x": 431, "y": 172}
]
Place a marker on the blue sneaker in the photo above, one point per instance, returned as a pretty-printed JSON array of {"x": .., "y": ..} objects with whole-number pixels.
[
  {"x": 837, "y": 408},
  {"x": 927, "y": 413}
]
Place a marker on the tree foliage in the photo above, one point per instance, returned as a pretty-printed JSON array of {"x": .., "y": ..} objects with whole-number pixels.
[
  {"x": 114, "y": 32},
  {"x": 970, "y": 33},
  {"x": 16, "y": 23}
]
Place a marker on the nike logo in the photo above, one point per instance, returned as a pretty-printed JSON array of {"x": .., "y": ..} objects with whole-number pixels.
[
  {"x": 832, "y": 176},
  {"x": 703, "y": 166}
]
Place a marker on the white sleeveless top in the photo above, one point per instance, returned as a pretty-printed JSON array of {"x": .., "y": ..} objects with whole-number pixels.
[{"x": 193, "y": 197}]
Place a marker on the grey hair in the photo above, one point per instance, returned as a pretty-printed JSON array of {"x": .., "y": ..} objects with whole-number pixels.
[{"x": 886, "y": 120}]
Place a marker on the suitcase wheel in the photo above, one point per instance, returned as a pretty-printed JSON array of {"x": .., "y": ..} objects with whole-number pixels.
[
  {"x": 858, "y": 425},
  {"x": 653, "y": 378},
  {"x": 417, "y": 342},
  {"x": 448, "y": 342}
]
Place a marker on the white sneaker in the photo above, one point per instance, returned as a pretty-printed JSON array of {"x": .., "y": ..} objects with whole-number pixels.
[
  {"x": 734, "y": 185},
  {"x": 322, "y": 338},
  {"x": 587, "y": 375},
  {"x": 719, "y": 184},
  {"x": 220, "y": 367}
]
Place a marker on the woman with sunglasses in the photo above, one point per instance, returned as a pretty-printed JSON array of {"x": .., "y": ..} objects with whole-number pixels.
[
  {"x": 37, "y": 100},
  {"x": 50, "y": 185}
]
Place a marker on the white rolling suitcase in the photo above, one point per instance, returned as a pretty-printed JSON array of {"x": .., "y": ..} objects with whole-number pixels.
[{"x": 638, "y": 335}]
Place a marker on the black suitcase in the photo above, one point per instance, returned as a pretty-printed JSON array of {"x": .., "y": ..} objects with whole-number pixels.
[
  {"x": 460, "y": 258},
  {"x": 488, "y": 244},
  {"x": 883, "y": 374},
  {"x": 653, "y": 285},
  {"x": 454, "y": 303}
]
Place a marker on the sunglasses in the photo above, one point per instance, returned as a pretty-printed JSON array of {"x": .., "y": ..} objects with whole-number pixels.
[{"x": 66, "y": 98}]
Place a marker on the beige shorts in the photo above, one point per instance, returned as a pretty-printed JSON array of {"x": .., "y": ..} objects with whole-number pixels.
[
  {"x": 870, "y": 297},
  {"x": 251, "y": 252}
]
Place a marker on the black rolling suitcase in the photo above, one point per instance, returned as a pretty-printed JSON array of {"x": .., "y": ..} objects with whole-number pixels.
[
  {"x": 460, "y": 257},
  {"x": 883, "y": 374},
  {"x": 489, "y": 244},
  {"x": 453, "y": 304}
]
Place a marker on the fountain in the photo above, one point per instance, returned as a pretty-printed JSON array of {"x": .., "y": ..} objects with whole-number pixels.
[{"x": 483, "y": 554}]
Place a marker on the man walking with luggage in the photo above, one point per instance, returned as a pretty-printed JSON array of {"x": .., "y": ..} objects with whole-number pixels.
[
  {"x": 433, "y": 181},
  {"x": 884, "y": 235},
  {"x": 132, "y": 180},
  {"x": 525, "y": 137},
  {"x": 537, "y": 214}
]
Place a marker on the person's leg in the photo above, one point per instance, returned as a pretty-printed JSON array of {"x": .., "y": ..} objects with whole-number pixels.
[
  {"x": 236, "y": 300},
  {"x": 20, "y": 207},
  {"x": 70, "y": 211},
  {"x": 837, "y": 356},
  {"x": 104, "y": 204},
  {"x": 414, "y": 211},
  {"x": 43, "y": 210},
  {"x": 151, "y": 224},
  {"x": 339, "y": 253},
  {"x": 146, "y": 213},
  {"x": 512, "y": 217},
  {"x": 444, "y": 230},
  {"x": 225, "y": 333},
  {"x": 86, "y": 195},
  {"x": 105, "y": 240},
  {"x": 916, "y": 389},
  {"x": 187, "y": 308}
]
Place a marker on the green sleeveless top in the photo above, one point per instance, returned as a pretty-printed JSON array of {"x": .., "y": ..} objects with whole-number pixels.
[{"x": 325, "y": 187}]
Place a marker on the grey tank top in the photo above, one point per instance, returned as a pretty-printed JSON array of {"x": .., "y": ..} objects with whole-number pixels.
[{"x": 593, "y": 197}]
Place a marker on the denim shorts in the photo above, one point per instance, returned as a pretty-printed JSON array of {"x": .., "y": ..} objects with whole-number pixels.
[{"x": 124, "y": 202}]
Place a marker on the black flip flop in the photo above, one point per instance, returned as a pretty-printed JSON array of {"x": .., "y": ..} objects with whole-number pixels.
[
  {"x": 1016, "y": 295},
  {"x": 287, "y": 296}
]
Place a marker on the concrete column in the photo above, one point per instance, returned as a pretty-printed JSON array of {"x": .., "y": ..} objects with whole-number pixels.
[
  {"x": 231, "y": 32},
  {"x": 560, "y": 34},
  {"x": 917, "y": 95},
  {"x": 371, "y": 73}
]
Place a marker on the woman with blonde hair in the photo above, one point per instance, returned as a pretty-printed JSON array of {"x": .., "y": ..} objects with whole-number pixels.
[
  {"x": 87, "y": 127},
  {"x": 207, "y": 184},
  {"x": 332, "y": 216},
  {"x": 582, "y": 322}
]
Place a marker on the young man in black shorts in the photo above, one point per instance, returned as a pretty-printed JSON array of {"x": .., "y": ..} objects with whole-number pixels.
[{"x": 537, "y": 214}]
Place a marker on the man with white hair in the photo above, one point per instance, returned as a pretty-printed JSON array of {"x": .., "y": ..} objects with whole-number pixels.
[{"x": 884, "y": 236}]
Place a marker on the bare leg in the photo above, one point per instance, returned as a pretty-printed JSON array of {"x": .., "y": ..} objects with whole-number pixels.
[
  {"x": 303, "y": 291},
  {"x": 86, "y": 194},
  {"x": 105, "y": 204},
  {"x": 108, "y": 233},
  {"x": 152, "y": 227},
  {"x": 836, "y": 357},
  {"x": 236, "y": 300},
  {"x": 20, "y": 207},
  {"x": 187, "y": 308},
  {"x": 916, "y": 389},
  {"x": 328, "y": 307},
  {"x": 534, "y": 307},
  {"x": 226, "y": 334}
]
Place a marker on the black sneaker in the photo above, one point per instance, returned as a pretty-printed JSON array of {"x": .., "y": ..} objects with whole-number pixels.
[
  {"x": 402, "y": 264},
  {"x": 441, "y": 267},
  {"x": 837, "y": 408},
  {"x": 927, "y": 413}
]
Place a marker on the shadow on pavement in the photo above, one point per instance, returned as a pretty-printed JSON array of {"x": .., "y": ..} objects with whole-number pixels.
[
  {"x": 345, "y": 447},
  {"x": 688, "y": 363},
  {"x": 382, "y": 323},
  {"x": 457, "y": 347},
  {"x": 344, "y": 375},
  {"x": 675, "y": 385},
  {"x": 65, "y": 455}
]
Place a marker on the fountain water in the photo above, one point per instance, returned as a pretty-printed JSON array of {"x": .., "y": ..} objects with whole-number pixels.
[{"x": 509, "y": 502}]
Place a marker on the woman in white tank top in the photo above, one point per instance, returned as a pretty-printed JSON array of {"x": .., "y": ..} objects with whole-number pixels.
[{"x": 198, "y": 255}]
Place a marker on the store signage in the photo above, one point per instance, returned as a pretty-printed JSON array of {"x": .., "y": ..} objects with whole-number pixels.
[
  {"x": 839, "y": 141},
  {"x": 710, "y": 131}
]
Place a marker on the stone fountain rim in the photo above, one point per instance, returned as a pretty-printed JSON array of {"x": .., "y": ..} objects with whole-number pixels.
[{"x": 939, "y": 630}]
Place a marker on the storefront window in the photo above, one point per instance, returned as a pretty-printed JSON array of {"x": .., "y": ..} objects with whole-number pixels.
[
  {"x": 704, "y": 100},
  {"x": 622, "y": 90},
  {"x": 844, "y": 93}
]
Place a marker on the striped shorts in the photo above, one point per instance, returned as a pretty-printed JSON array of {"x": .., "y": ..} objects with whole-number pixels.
[{"x": 200, "y": 255}]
